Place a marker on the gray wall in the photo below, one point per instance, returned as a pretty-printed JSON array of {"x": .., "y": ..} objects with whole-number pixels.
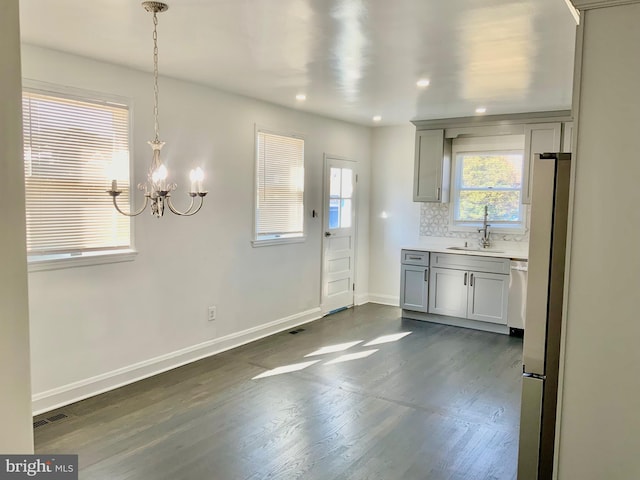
[
  {"x": 395, "y": 217},
  {"x": 99, "y": 326},
  {"x": 16, "y": 434},
  {"x": 599, "y": 436}
]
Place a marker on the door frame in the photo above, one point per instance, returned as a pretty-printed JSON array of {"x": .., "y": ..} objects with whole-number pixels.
[{"x": 325, "y": 222}]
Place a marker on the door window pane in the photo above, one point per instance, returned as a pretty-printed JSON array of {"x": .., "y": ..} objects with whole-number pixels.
[
  {"x": 334, "y": 213},
  {"x": 345, "y": 213},
  {"x": 347, "y": 183},
  {"x": 334, "y": 183},
  {"x": 340, "y": 197}
]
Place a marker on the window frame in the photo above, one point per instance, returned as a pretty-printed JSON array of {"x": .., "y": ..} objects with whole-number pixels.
[
  {"x": 279, "y": 240},
  {"x": 504, "y": 144},
  {"x": 87, "y": 257}
]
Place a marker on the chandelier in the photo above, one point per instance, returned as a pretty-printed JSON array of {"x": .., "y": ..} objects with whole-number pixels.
[{"x": 157, "y": 190}]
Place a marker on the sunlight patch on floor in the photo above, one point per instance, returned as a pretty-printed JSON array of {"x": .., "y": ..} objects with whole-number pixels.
[
  {"x": 340, "y": 347},
  {"x": 352, "y": 356},
  {"x": 294, "y": 367},
  {"x": 387, "y": 339}
]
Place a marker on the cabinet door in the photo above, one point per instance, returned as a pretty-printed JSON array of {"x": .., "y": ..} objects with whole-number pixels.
[
  {"x": 538, "y": 138},
  {"x": 448, "y": 292},
  {"x": 414, "y": 288},
  {"x": 432, "y": 167},
  {"x": 488, "y": 297}
]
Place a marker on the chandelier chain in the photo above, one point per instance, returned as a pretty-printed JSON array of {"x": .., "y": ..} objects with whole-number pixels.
[{"x": 155, "y": 76}]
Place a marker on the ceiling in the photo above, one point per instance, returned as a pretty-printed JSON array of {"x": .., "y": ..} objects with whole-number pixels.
[{"x": 353, "y": 59}]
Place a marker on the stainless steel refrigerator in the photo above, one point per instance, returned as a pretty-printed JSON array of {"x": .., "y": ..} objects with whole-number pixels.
[{"x": 545, "y": 290}]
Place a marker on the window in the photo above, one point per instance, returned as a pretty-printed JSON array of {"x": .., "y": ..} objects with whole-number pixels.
[
  {"x": 279, "y": 188},
  {"x": 73, "y": 147},
  {"x": 488, "y": 171},
  {"x": 340, "y": 198}
]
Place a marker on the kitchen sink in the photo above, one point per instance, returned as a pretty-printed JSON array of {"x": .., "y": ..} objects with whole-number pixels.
[{"x": 474, "y": 249}]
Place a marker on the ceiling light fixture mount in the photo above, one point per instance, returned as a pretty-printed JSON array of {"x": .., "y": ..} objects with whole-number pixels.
[
  {"x": 157, "y": 190},
  {"x": 155, "y": 7}
]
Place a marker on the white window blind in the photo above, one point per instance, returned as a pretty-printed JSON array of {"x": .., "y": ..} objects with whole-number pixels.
[
  {"x": 280, "y": 187},
  {"x": 72, "y": 149}
]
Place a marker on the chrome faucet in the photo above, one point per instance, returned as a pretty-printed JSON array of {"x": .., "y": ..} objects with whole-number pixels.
[{"x": 484, "y": 240}]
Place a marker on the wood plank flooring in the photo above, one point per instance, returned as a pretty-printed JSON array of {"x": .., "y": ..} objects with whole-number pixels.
[{"x": 440, "y": 403}]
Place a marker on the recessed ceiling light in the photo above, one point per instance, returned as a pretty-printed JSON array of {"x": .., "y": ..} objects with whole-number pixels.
[
  {"x": 301, "y": 97},
  {"x": 481, "y": 110},
  {"x": 423, "y": 82},
  {"x": 377, "y": 118}
]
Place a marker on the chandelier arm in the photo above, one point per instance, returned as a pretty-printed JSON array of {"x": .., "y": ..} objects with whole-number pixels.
[
  {"x": 189, "y": 211},
  {"x": 133, "y": 214}
]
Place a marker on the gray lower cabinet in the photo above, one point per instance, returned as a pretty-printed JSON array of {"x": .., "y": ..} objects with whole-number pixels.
[
  {"x": 414, "y": 288},
  {"x": 448, "y": 294},
  {"x": 470, "y": 294},
  {"x": 488, "y": 296},
  {"x": 414, "y": 281}
]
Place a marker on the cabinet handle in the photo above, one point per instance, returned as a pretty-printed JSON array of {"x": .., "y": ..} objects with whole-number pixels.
[
  {"x": 415, "y": 258},
  {"x": 438, "y": 193},
  {"x": 426, "y": 275},
  {"x": 465, "y": 278},
  {"x": 471, "y": 280}
]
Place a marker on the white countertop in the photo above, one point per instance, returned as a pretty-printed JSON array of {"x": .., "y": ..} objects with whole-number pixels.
[{"x": 500, "y": 249}]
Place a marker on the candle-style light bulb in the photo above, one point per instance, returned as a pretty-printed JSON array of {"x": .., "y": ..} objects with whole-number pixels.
[
  {"x": 198, "y": 175},
  {"x": 159, "y": 174},
  {"x": 192, "y": 177}
]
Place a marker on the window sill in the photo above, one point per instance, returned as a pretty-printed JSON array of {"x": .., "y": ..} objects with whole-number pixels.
[
  {"x": 55, "y": 262},
  {"x": 277, "y": 241}
]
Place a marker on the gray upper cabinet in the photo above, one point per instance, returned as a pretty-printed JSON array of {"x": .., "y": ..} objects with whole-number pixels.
[
  {"x": 538, "y": 138},
  {"x": 432, "y": 167},
  {"x": 543, "y": 132}
]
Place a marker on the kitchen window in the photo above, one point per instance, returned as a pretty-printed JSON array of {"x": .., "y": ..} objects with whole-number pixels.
[
  {"x": 488, "y": 171},
  {"x": 74, "y": 144},
  {"x": 279, "y": 202}
]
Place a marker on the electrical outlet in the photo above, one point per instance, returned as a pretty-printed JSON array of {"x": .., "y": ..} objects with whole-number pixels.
[{"x": 212, "y": 313}]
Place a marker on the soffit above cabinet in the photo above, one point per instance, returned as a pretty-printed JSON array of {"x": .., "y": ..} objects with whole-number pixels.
[
  {"x": 505, "y": 121},
  {"x": 589, "y": 4}
]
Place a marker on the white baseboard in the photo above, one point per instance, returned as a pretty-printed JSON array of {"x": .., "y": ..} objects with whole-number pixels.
[
  {"x": 361, "y": 298},
  {"x": 73, "y": 392},
  {"x": 392, "y": 300}
]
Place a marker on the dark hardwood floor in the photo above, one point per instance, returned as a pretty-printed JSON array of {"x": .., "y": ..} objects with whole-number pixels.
[{"x": 440, "y": 403}]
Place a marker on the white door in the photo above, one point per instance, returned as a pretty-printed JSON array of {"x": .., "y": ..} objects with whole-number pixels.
[{"x": 338, "y": 234}]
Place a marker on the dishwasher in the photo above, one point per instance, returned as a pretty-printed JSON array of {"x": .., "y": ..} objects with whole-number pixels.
[{"x": 517, "y": 297}]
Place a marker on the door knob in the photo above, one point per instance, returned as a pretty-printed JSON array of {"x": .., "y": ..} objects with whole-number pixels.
[{"x": 327, "y": 234}]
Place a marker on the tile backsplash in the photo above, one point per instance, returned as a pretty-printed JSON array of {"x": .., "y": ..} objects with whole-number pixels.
[{"x": 434, "y": 222}]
